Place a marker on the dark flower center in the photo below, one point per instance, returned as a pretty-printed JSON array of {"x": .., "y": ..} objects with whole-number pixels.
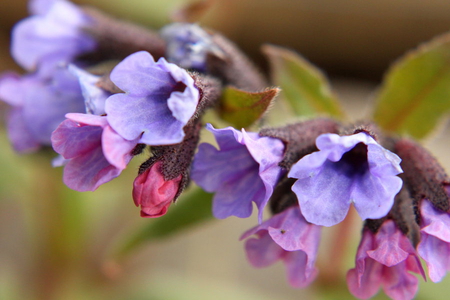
[
  {"x": 179, "y": 87},
  {"x": 354, "y": 162}
]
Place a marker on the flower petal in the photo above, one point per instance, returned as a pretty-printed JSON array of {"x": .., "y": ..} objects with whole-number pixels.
[
  {"x": 324, "y": 196},
  {"x": 88, "y": 171},
  {"x": 116, "y": 149},
  {"x": 72, "y": 139},
  {"x": 51, "y": 38}
]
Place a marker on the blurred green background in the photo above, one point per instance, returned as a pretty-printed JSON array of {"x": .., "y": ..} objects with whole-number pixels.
[{"x": 56, "y": 243}]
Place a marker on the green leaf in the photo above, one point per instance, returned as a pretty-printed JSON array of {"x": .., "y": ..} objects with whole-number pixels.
[
  {"x": 191, "y": 209},
  {"x": 303, "y": 86},
  {"x": 415, "y": 94},
  {"x": 241, "y": 108}
]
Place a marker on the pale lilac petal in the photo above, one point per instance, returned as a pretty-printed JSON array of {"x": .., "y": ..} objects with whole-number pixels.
[
  {"x": 94, "y": 96},
  {"x": 19, "y": 134},
  {"x": 150, "y": 121},
  {"x": 373, "y": 196},
  {"x": 320, "y": 193},
  {"x": 159, "y": 100},
  {"x": 329, "y": 180},
  {"x": 227, "y": 137},
  {"x": 53, "y": 37},
  {"x": 290, "y": 230},
  {"x": 38, "y": 106},
  {"x": 46, "y": 104},
  {"x": 116, "y": 149},
  {"x": 434, "y": 246},
  {"x": 276, "y": 221},
  {"x": 236, "y": 180},
  {"x": 235, "y": 196},
  {"x": 59, "y": 161},
  {"x": 309, "y": 165},
  {"x": 297, "y": 272},
  {"x": 95, "y": 152},
  {"x": 210, "y": 158},
  {"x": 336, "y": 145},
  {"x": 40, "y": 7},
  {"x": 244, "y": 170},
  {"x": 435, "y": 223},
  {"x": 182, "y": 104},
  {"x": 265, "y": 151},
  {"x": 88, "y": 119},
  {"x": 382, "y": 162},
  {"x": 262, "y": 252},
  {"x": 71, "y": 139},
  {"x": 264, "y": 158},
  {"x": 286, "y": 230},
  {"x": 188, "y": 45},
  {"x": 88, "y": 171},
  {"x": 292, "y": 233},
  {"x": 436, "y": 254},
  {"x": 13, "y": 87},
  {"x": 139, "y": 75}
]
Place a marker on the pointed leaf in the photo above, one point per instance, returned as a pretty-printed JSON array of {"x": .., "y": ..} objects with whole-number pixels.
[
  {"x": 303, "y": 86},
  {"x": 241, "y": 108},
  {"x": 415, "y": 94},
  {"x": 191, "y": 209}
]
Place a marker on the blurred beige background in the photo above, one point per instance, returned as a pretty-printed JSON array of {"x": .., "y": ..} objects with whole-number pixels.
[
  {"x": 353, "y": 41},
  {"x": 345, "y": 37}
]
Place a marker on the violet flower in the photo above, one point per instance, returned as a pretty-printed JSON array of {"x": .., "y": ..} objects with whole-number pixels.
[
  {"x": 434, "y": 245},
  {"x": 244, "y": 170},
  {"x": 94, "y": 96},
  {"x": 52, "y": 36},
  {"x": 38, "y": 106},
  {"x": 346, "y": 169},
  {"x": 188, "y": 45},
  {"x": 40, "y": 7},
  {"x": 385, "y": 259},
  {"x": 153, "y": 193},
  {"x": 289, "y": 238},
  {"x": 160, "y": 98},
  {"x": 96, "y": 154}
]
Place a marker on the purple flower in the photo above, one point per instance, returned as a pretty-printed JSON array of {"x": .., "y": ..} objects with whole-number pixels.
[
  {"x": 40, "y": 7},
  {"x": 188, "y": 45},
  {"x": 54, "y": 35},
  {"x": 159, "y": 100},
  {"x": 287, "y": 237},
  {"x": 38, "y": 106},
  {"x": 346, "y": 169},
  {"x": 244, "y": 170},
  {"x": 434, "y": 245},
  {"x": 94, "y": 96},
  {"x": 385, "y": 259},
  {"x": 96, "y": 153}
]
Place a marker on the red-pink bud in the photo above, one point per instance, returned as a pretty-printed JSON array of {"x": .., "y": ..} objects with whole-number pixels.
[{"x": 154, "y": 194}]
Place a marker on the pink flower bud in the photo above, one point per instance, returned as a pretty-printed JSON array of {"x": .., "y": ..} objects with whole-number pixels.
[{"x": 153, "y": 193}]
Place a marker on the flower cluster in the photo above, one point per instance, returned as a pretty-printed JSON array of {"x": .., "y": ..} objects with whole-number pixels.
[
  {"x": 312, "y": 172},
  {"x": 95, "y": 93}
]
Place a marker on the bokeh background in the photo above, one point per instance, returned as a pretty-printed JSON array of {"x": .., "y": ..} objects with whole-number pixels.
[{"x": 56, "y": 243}]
